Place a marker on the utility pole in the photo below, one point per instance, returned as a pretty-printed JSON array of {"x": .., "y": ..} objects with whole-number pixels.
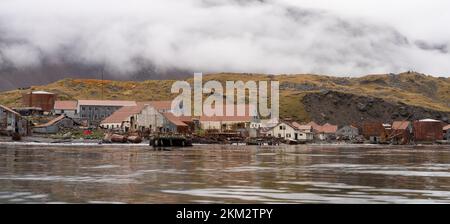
[{"x": 103, "y": 82}]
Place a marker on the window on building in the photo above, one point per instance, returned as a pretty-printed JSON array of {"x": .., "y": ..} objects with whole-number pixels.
[
  {"x": 279, "y": 135},
  {"x": 288, "y": 135}
]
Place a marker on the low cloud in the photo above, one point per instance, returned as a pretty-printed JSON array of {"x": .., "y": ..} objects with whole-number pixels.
[{"x": 355, "y": 38}]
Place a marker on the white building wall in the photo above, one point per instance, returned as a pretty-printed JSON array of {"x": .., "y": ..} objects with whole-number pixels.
[
  {"x": 111, "y": 126},
  {"x": 11, "y": 122},
  {"x": 150, "y": 118},
  {"x": 285, "y": 131},
  {"x": 305, "y": 136},
  {"x": 282, "y": 130}
]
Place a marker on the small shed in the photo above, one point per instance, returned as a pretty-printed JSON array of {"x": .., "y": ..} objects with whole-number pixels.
[
  {"x": 173, "y": 124},
  {"x": 66, "y": 107},
  {"x": 348, "y": 132},
  {"x": 402, "y": 132},
  {"x": 374, "y": 132},
  {"x": 327, "y": 132},
  {"x": 55, "y": 125}
]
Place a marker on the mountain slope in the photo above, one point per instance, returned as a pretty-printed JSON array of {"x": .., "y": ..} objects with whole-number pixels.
[{"x": 302, "y": 97}]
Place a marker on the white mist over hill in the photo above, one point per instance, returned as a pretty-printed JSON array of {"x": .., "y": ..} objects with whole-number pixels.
[{"x": 346, "y": 38}]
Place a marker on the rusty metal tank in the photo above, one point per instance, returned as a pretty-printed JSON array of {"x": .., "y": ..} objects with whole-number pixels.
[
  {"x": 428, "y": 130},
  {"x": 41, "y": 99}
]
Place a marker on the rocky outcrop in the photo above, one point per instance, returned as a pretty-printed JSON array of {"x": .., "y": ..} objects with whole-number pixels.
[{"x": 344, "y": 108}]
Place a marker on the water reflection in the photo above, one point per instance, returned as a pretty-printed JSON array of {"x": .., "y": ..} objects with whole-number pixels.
[{"x": 225, "y": 174}]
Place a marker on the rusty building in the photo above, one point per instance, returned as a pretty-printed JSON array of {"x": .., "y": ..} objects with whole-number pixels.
[
  {"x": 402, "y": 132},
  {"x": 41, "y": 99},
  {"x": 428, "y": 130},
  {"x": 374, "y": 132}
]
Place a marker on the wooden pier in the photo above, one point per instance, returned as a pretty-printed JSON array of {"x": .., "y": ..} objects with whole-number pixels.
[{"x": 170, "y": 141}]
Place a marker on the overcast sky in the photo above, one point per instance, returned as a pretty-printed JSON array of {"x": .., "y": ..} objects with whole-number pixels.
[{"x": 335, "y": 37}]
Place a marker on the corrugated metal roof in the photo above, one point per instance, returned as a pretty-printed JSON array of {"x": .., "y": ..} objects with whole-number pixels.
[
  {"x": 122, "y": 103},
  {"x": 10, "y": 110},
  {"x": 173, "y": 119},
  {"x": 161, "y": 105},
  {"x": 400, "y": 125},
  {"x": 328, "y": 128},
  {"x": 301, "y": 126},
  {"x": 52, "y": 122},
  {"x": 314, "y": 125},
  {"x": 123, "y": 114},
  {"x": 65, "y": 105}
]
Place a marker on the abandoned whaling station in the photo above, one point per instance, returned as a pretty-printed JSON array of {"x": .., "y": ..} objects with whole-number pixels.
[{"x": 43, "y": 118}]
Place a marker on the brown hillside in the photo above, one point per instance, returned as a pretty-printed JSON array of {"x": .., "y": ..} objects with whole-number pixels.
[{"x": 410, "y": 89}]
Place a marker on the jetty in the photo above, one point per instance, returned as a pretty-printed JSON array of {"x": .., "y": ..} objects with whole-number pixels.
[{"x": 170, "y": 141}]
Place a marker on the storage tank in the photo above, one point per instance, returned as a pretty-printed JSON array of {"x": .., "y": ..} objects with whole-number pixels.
[
  {"x": 428, "y": 130},
  {"x": 42, "y": 99}
]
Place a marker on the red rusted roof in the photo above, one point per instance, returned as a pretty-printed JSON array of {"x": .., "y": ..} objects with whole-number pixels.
[
  {"x": 315, "y": 126},
  {"x": 65, "y": 105},
  {"x": 186, "y": 118},
  {"x": 301, "y": 126},
  {"x": 328, "y": 128},
  {"x": 123, "y": 114},
  {"x": 161, "y": 105},
  {"x": 400, "y": 125},
  {"x": 173, "y": 119}
]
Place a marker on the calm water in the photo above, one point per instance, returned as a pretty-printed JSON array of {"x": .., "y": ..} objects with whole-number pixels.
[{"x": 225, "y": 174}]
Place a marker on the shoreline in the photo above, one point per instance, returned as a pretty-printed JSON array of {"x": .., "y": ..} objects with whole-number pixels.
[{"x": 91, "y": 143}]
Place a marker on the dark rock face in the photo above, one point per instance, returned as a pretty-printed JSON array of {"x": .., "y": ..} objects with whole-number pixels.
[
  {"x": 298, "y": 86},
  {"x": 344, "y": 108}
]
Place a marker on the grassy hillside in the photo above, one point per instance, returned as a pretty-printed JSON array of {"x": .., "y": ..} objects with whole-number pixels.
[{"x": 409, "y": 88}]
